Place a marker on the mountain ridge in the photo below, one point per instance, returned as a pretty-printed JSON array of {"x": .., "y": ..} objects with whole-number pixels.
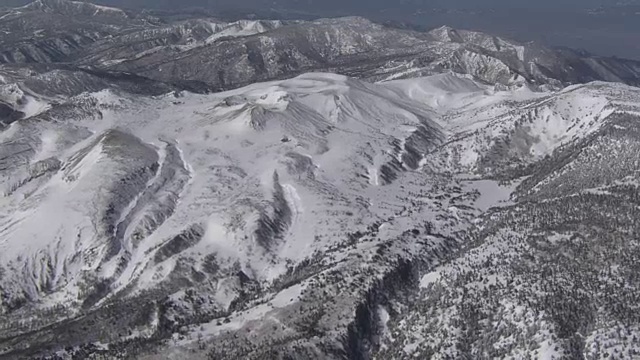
[{"x": 172, "y": 51}]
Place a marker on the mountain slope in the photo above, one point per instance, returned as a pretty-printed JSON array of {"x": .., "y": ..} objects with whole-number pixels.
[
  {"x": 47, "y": 31},
  {"x": 549, "y": 276},
  {"x": 302, "y": 214},
  {"x": 487, "y": 210},
  {"x": 299, "y": 133}
]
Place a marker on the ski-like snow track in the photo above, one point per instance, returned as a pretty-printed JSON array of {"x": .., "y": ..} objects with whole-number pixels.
[
  {"x": 125, "y": 218},
  {"x": 296, "y": 205},
  {"x": 155, "y": 205}
]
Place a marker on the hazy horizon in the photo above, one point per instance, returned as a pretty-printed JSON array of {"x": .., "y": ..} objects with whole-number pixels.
[
  {"x": 602, "y": 27},
  {"x": 330, "y": 4}
]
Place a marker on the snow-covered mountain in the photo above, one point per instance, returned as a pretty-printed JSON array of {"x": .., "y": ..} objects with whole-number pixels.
[
  {"x": 48, "y": 31},
  {"x": 360, "y": 48},
  {"x": 83, "y": 34},
  {"x": 74, "y": 8},
  {"x": 212, "y": 212},
  {"x": 450, "y": 199},
  {"x": 270, "y": 158}
]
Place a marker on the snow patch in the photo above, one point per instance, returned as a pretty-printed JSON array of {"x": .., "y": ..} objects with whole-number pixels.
[{"x": 429, "y": 279}]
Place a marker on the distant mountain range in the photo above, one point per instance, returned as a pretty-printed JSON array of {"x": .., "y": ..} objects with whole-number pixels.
[{"x": 108, "y": 39}]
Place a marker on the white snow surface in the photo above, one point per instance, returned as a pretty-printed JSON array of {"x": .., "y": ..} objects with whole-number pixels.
[
  {"x": 241, "y": 28},
  {"x": 320, "y": 133},
  {"x": 225, "y": 162}
]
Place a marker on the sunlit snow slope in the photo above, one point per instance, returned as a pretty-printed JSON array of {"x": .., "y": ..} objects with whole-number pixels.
[
  {"x": 110, "y": 196},
  {"x": 261, "y": 177},
  {"x": 125, "y": 187}
]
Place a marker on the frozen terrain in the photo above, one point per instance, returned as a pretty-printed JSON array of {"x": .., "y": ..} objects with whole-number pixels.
[
  {"x": 241, "y": 205},
  {"x": 332, "y": 189}
]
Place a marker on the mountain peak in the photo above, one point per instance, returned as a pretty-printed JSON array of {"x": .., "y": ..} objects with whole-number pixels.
[
  {"x": 349, "y": 20},
  {"x": 446, "y": 34}
]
